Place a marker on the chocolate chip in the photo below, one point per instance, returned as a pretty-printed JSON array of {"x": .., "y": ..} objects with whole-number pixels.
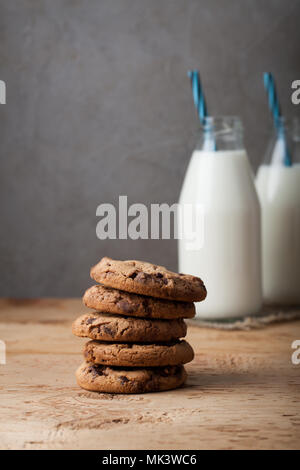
[
  {"x": 105, "y": 329},
  {"x": 133, "y": 275},
  {"x": 96, "y": 370},
  {"x": 90, "y": 320},
  {"x": 142, "y": 277},
  {"x": 123, "y": 379},
  {"x": 108, "y": 330},
  {"x": 125, "y": 306},
  {"x": 161, "y": 276}
]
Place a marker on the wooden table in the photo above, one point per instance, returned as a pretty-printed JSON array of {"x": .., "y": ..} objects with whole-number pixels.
[{"x": 242, "y": 391}]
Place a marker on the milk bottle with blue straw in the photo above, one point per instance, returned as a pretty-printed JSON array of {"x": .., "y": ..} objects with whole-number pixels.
[
  {"x": 219, "y": 186},
  {"x": 278, "y": 186}
]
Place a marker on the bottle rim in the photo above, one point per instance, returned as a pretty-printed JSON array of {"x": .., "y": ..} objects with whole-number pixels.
[
  {"x": 222, "y": 124},
  {"x": 290, "y": 121}
]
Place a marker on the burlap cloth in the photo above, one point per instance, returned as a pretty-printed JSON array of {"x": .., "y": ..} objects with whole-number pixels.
[{"x": 267, "y": 316}]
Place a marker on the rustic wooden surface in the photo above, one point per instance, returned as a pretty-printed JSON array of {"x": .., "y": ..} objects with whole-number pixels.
[{"x": 242, "y": 390}]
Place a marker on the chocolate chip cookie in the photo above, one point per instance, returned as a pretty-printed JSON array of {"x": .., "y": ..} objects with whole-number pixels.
[
  {"x": 138, "y": 355},
  {"x": 101, "y": 378},
  {"x": 148, "y": 279},
  {"x": 119, "y": 302},
  {"x": 107, "y": 327}
]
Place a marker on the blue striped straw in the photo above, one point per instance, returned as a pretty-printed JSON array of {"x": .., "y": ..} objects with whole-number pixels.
[
  {"x": 199, "y": 101},
  {"x": 274, "y": 106},
  {"x": 198, "y": 95}
]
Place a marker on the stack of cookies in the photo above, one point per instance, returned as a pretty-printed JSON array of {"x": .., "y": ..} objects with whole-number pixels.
[{"x": 135, "y": 327}]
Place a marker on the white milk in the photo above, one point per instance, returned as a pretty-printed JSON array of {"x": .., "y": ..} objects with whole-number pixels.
[
  {"x": 229, "y": 261},
  {"x": 279, "y": 192}
]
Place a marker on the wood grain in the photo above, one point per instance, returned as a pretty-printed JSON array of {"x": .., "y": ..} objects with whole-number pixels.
[{"x": 242, "y": 391}]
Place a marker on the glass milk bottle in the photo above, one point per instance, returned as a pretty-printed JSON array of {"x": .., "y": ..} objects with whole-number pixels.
[
  {"x": 219, "y": 186},
  {"x": 278, "y": 186}
]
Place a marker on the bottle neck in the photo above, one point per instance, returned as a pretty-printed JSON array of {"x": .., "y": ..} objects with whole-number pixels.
[
  {"x": 221, "y": 134},
  {"x": 284, "y": 146}
]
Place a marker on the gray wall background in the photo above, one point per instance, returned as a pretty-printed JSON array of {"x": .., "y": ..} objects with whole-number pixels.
[{"x": 99, "y": 104}]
